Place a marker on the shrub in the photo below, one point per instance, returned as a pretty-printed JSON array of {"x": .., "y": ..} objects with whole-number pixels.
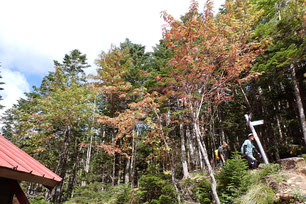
[
  {"x": 155, "y": 189},
  {"x": 269, "y": 169},
  {"x": 230, "y": 178},
  {"x": 203, "y": 192},
  {"x": 254, "y": 190},
  {"x": 232, "y": 172},
  {"x": 237, "y": 184},
  {"x": 93, "y": 193},
  {"x": 88, "y": 193},
  {"x": 38, "y": 200},
  {"x": 165, "y": 199},
  {"x": 197, "y": 188}
]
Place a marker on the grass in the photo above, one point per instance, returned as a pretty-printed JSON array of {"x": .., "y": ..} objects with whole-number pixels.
[{"x": 258, "y": 194}]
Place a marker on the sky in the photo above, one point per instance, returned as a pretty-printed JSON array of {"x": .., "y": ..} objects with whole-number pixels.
[{"x": 33, "y": 33}]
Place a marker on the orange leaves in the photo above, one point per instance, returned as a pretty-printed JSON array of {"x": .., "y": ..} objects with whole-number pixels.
[
  {"x": 39, "y": 149},
  {"x": 43, "y": 139},
  {"x": 110, "y": 149},
  {"x": 125, "y": 122},
  {"x": 158, "y": 78},
  {"x": 122, "y": 96},
  {"x": 209, "y": 54}
]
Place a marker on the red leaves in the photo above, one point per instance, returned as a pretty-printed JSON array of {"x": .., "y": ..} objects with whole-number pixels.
[
  {"x": 157, "y": 78},
  {"x": 83, "y": 144},
  {"x": 122, "y": 96},
  {"x": 209, "y": 54},
  {"x": 110, "y": 149}
]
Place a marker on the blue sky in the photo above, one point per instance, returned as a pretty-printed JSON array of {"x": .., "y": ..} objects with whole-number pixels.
[{"x": 33, "y": 33}]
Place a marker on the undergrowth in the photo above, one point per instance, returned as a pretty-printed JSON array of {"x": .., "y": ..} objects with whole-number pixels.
[
  {"x": 235, "y": 184},
  {"x": 156, "y": 189},
  {"x": 93, "y": 193}
]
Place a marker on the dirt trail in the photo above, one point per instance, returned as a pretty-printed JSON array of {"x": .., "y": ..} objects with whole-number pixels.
[{"x": 293, "y": 181}]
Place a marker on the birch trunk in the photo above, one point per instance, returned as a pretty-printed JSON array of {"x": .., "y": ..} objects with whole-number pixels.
[
  {"x": 114, "y": 170},
  {"x": 87, "y": 162},
  {"x": 132, "y": 169},
  {"x": 119, "y": 171},
  {"x": 183, "y": 151},
  {"x": 127, "y": 171},
  {"x": 200, "y": 159},
  {"x": 191, "y": 149},
  {"x": 299, "y": 101},
  {"x": 114, "y": 163},
  {"x": 206, "y": 160}
]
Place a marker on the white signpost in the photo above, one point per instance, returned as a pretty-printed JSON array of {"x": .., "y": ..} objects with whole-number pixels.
[{"x": 252, "y": 124}]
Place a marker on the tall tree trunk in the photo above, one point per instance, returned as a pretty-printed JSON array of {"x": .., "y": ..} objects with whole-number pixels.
[
  {"x": 223, "y": 136},
  {"x": 191, "y": 148},
  {"x": 103, "y": 176},
  {"x": 278, "y": 120},
  {"x": 114, "y": 163},
  {"x": 132, "y": 169},
  {"x": 200, "y": 158},
  {"x": 206, "y": 160},
  {"x": 114, "y": 170},
  {"x": 73, "y": 178},
  {"x": 87, "y": 162},
  {"x": 173, "y": 180},
  {"x": 245, "y": 98},
  {"x": 60, "y": 170},
  {"x": 183, "y": 150},
  {"x": 299, "y": 101},
  {"x": 171, "y": 157},
  {"x": 279, "y": 135},
  {"x": 119, "y": 170},
  {"x": 213, "y": 140},
  {"x": 127, "y": 171},
  {"x": 220, "y": 117}
]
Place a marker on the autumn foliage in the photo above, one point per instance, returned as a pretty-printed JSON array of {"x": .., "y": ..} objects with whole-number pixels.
[
  {"x": 144, "y": 127},
  {"x": 210, "y": 54}
]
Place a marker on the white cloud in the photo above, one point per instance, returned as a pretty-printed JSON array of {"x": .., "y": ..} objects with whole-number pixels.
[
  {"x": 24, "y": 59},
  {"x": 14, "y": 88},
  {"x": 33, "y": 33},
  {"x": 41, "y": 31}
]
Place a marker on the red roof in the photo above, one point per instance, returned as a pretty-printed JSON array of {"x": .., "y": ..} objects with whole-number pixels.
[{"x": 18, "y": 165}]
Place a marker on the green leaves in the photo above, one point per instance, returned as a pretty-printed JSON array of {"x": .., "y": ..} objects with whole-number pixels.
[{"x": 156, "y": 189}]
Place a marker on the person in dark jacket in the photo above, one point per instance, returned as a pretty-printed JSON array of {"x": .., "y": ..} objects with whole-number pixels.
[{"x": 221, "y": 153}]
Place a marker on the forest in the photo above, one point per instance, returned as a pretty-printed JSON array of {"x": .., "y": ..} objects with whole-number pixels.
[{"x": 144, "y": 128}]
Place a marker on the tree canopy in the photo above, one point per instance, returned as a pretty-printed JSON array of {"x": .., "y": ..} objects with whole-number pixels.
[{"x": 151, "y": 121}]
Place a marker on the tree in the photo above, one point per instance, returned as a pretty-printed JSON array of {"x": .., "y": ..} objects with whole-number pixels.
[
  {"x": 125, "y": 108},
  {"x": 54, "y": 119},
  {"x": 209, "y": 56},
  {"x": 138, "y": 59},
  {"x": 74, "y": 63},
  {"x": 65, "y": 116},
  {"x": 285, "y": 56}
]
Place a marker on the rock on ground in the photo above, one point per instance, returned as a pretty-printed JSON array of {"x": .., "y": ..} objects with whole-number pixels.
[{"x": 293, "y": 185}]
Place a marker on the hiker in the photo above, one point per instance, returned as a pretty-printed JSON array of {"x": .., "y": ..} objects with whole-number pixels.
[
  {"x": 220, "y": 154},
  {"x": 247, "y": 150}
]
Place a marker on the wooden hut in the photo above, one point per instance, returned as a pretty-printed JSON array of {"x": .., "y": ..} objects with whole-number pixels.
[{"x": 16, "y": 166}]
